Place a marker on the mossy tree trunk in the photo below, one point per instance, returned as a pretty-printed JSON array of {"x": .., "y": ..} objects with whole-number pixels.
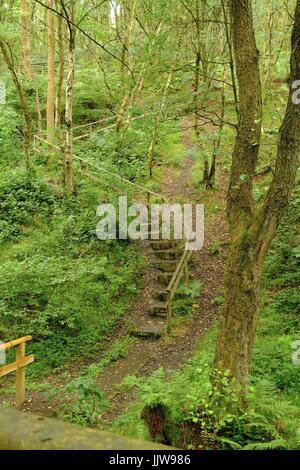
[
  {"x": 251, "y": 230},
  {"x": 27, "y": 130},
  {"x": 61, "y": 70},
  {"x": 25, "y": 38},
  {"x": 51, "y": 73},
  {"x": 70, "y": 14}
]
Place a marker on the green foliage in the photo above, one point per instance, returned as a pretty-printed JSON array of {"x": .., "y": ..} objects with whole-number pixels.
[
  {"x": 87, "y": 405},
  {"x": 10, "y": 138},
  {"x": 202, "y": 411},
  {"x": 282, "y": 266},
  {"x": 214, "y": 249},
  {"x": 118, "y": 350},
  {"x": 60, "y": 283},
  {"x": 219, "y": 300},
  {"x": 184, "y": 303},
  {"x": 22, "y": 197},
  {"x": 91, "y": 102}
]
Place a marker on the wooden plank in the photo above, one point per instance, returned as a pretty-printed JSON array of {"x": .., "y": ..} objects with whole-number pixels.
[
  {"x": 94, "y": 123},
  {"x": 116, "y": 176},
  {"x": 81, "y": 136},
  {"x": 20, "y": 376},
  {"x": 4, "y": 370},
  {"x": 15, "y": 342}
]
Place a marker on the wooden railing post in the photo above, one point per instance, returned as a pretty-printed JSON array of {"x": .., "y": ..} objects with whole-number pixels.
[
  {"x": 186, "y": 274},
  {"x": 169, "y": 312},
  {"x": 18, "y": 366},
  {"x": 20, "y": 375}
]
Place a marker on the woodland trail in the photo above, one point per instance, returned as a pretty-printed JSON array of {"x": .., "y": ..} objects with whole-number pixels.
[
  {"x": 147, "y": 355},
  {"x": 171, "y": 352}
]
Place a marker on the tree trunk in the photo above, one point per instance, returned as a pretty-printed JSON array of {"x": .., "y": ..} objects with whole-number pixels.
[
  {"x": 4, "y": 46},
  {"x": 127, "y": 55},
  {"x": 159, "y": 115},
  {"x": 69, "y": 104},
  {"x": 234, "y": 345},
  {"x": 38, "y": 109},
  {"x": 60, "y": 40},
  {"x": 197, "y": 71},
  {"x": 51, "y": 87},
  {"x": 25, "y": 38},
  {"x": 238, "y": 323},
  {"x": 251, "y": 231},
  {"x": 217, "y": 144},
  {"x": 231, "y": 58}
]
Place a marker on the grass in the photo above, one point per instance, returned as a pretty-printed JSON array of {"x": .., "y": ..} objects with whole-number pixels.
[{"x": 118, "y": 350}]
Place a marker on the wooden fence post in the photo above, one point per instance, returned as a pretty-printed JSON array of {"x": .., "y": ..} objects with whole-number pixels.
[
  {"x": 20, "y": 376},
  {"x": 18, "y": 366},
  {"x": 169, "y": 312},
  {"x": 186, "y": 273}
]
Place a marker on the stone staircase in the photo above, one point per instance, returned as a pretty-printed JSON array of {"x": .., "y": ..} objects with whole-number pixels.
[{"x": 166, "y": 256}]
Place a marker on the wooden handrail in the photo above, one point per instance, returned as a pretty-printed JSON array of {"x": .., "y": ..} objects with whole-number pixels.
[
  {"x": 124, "y": 180},
  {"x": 99, "y": 168},
  {"x": 94, "y": 123},
  {"x": 18, "y": 365},
  {"x": 181, "y": 269},
  {"x": 90, "y": 125},
  {"x": 15, "y": 342}
]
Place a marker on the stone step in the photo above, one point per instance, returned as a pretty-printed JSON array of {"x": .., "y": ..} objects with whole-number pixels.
[
  {"x": 167, "y": 266},
  {"x": 164, "y": 278},
  {"x": 147, "y": 330},
  {"x": 167, "y": 255},
  {"x": 160, "y": 294},
  {"x": 158, "y": 309},
  {"x": 159, "y": 245},
  {"x": 158, "y": 235}
]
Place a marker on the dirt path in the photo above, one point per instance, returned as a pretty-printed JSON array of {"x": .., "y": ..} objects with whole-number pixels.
[{"x": 146, "y": 355}]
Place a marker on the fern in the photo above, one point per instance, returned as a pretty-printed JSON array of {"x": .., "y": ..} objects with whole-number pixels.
[{"x": 272, "y": 445}]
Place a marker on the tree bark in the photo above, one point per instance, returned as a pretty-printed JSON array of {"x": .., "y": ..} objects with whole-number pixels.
[
  {"x": 5, "y": 48},
  {"x": 127, "y": 55},
  {"x": 159, "y": 115},
  {"x": 51, "y": 86},
  {"x": 236, "y": 335},
  {"x": 59, "y": 88},
  {"x": 69, "y": 102},
  {"x": 25, "y": 38}
]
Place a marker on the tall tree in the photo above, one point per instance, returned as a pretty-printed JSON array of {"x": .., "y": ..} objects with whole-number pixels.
[
  {"x": 51, "y": 84},
  {"x": 61, "y": 66},
  {"x": 8, "y": 58},
  {"x": 26, "y": 38},
  {"x": 252, "y": 229},
  {"x": 70, "y": 15}
]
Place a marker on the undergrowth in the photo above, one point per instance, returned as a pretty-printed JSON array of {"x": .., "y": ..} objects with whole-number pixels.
[
  {"x": 58, "y": 282},
  {"x": 198, "y": 407}
]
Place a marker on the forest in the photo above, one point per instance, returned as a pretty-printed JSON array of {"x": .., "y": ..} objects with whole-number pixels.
[{"x": 149, "y": 223}]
